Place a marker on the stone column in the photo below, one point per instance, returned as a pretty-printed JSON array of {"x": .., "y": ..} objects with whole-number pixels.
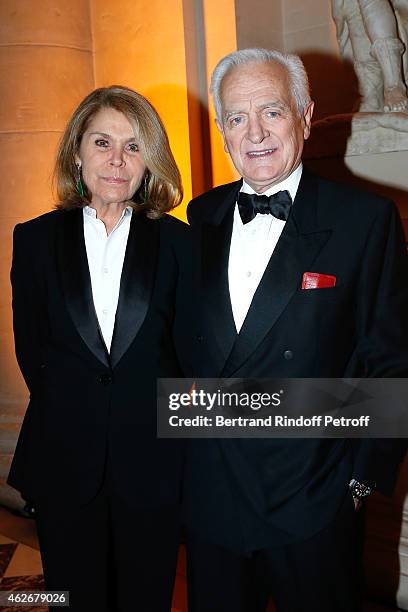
[{"x": 46, "y": 68}]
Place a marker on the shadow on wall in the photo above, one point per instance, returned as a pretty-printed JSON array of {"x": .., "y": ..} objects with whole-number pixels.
[
  {"x": 339, "y": 96},
  {"x": 333, "y": 83},
  {"x": 384, "y": 546}
]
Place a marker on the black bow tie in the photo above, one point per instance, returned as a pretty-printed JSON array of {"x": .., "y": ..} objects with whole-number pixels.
[{"x": 278, "y": 205}]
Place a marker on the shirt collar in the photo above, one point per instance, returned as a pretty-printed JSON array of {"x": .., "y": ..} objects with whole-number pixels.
[
  {"x": 291, "y": 183},
  {"x": 91, "y": 212}
]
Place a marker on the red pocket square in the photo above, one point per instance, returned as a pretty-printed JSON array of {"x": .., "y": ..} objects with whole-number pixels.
[{"x": 314, "y": 280}]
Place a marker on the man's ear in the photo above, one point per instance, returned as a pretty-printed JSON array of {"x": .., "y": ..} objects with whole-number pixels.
[
  {"x": 307, "y": 119},
  {"x": 221, "y": 129}
]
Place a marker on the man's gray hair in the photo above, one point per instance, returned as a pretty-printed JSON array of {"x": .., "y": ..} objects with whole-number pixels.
[{"x": 297, "y": 74}]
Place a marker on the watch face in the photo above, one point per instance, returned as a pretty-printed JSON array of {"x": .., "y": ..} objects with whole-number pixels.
[{"x": 360, "y": 490}]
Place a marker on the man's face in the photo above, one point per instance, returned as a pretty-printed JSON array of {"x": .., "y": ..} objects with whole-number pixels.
[{"x": 262, "y": 129}]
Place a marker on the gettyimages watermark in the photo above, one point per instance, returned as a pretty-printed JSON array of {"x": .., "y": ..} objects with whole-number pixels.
[{"x": 282, "y": 408}]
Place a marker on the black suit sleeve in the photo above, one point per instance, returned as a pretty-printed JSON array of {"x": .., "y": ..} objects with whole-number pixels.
[
  {"x": 171, "y": 231},
  {"x": 382, "y": 346},
  {"x": 383, "y": 305},
  {"x": 28, "y": 310}
]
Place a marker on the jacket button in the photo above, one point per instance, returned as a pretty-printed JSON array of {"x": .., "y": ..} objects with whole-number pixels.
[
  {"x": 288, "y": 355},
  {"x": 105, "y": 379}
]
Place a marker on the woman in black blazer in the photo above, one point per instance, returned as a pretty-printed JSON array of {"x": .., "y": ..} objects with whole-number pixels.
[{"x": 92, "y": 302}]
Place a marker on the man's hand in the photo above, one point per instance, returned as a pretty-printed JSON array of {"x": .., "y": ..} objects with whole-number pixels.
[{"x": 357, "y": 503}]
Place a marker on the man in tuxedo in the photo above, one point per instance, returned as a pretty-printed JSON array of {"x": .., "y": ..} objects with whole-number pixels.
[{"x": 291, "y": 276}]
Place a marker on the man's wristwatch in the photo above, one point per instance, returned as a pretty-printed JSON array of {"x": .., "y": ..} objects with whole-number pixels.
[{"x": 359, "y": 490}]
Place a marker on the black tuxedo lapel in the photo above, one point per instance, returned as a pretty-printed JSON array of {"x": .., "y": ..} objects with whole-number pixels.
[
  {"x": 297, "y": 248},
  {"x": 76, "y": 282},
  {"x": 216, "y": 239},
  {"x": 136, "y": 283}
]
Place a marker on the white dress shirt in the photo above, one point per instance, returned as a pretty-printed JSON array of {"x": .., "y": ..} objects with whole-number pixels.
[
  {"x": 251, "y": 248},
  {"x": 105, "y": 260}
]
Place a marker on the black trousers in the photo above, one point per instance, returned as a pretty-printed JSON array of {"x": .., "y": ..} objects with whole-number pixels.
[
  {"x": 110, "y": 556},
  {"x": 320, "y": 574}
]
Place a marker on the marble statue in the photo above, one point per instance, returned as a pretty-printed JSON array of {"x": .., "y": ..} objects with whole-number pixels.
[{"x": 372, "y": 34}]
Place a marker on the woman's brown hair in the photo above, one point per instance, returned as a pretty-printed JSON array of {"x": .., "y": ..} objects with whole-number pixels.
[{"x": 163, "y": 182}]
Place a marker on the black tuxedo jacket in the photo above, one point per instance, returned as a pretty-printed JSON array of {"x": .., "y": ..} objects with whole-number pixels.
[
  {"x": 89, "y": 408},
  {"x": 248, "y": 494}
]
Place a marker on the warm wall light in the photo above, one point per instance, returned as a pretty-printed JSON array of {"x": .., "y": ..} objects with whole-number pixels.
[
  {"x": 221, "y": 38},
  {"x": 142, "y": 46}
]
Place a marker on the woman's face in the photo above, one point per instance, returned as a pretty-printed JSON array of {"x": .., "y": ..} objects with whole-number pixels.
[{"x": 112, "y": 167}]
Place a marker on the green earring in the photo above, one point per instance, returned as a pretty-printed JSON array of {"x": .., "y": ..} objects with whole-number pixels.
[{"x": 79, "y": 183}]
